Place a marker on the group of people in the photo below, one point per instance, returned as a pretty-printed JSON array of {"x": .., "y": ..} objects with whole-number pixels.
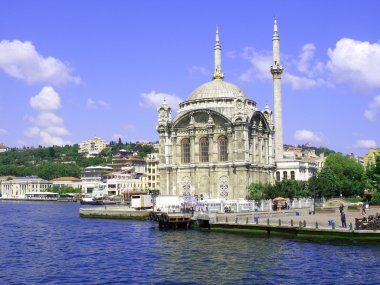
[{"x": 278, "y": 206}]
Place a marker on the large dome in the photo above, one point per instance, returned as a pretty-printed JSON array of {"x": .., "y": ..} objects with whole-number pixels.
[{"x": 217, "y": 89}]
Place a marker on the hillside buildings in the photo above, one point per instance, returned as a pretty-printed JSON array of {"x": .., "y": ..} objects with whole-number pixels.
[
  {"x": 92, "y": 147},
  {"x": 370, "y": 157}
]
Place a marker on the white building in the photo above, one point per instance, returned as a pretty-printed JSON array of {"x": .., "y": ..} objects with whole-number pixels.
[
  {"x": 153, "y": 179},
  {"x": 120, "y": 183},
  {"x": 92, "y": 147},
  {"x": 19, "y": 186},
  {"x": 295, "y": 169},
  {"x": 3, "y": 148},
  {"x": 92, "y": 180},
  {"x": 72, "y": 182}
]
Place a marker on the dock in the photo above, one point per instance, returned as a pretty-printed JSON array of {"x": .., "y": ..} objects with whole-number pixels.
[
  {"x": 290, "y": 224},
  {"x": 167, "y": 220},
  {"x": 114, "y": 212}
]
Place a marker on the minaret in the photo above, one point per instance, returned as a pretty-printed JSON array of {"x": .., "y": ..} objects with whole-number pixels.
[
  {"x": 218, "y": 74},
  {"x": 276, "y": 70}
]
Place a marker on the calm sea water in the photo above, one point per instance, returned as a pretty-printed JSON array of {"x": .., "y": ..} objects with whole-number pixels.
[{"x": 47, "y": 243}]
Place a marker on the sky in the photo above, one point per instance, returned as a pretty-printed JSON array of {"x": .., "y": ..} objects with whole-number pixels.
[{"x": 72, "y": 70}]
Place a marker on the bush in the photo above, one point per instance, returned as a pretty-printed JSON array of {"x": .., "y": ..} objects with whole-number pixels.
[
  {"x": 375, "y": 198},
  {"x": 354, "y": 199},
  {"x": 353, "y": 207}
]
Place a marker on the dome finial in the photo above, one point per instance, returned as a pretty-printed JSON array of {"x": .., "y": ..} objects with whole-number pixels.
[{"x": 218, "y": 74}]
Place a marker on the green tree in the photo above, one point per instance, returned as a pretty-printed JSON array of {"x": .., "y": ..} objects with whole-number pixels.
[
  {"x": 257, "y": 191},
  {"x": 348, "y": 174}
]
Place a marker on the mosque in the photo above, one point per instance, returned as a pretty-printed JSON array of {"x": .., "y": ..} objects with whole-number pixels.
[{"x": 219, "y": 142}]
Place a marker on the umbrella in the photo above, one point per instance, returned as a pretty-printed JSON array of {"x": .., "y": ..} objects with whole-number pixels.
[{"x": 279, "y": 199}]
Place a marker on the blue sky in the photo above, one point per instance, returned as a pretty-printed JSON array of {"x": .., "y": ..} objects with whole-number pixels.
[{"x": 72, "y": 70}]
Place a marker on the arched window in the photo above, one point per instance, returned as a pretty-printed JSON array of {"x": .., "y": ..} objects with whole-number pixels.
[
  {"x": 203, "y": 150},
  {"x": 278, "y": 176},
  {"x": 222, "y": 148},
  {"x": 185, "y": 151},
  {"x": 292, "y": 175},
  {"x": 285, "y": 177}
]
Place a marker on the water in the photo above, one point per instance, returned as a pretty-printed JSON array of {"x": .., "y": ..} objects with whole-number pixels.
[{"x": 47, "y": 243}]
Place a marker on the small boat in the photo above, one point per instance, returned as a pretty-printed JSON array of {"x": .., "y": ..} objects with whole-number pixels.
[{"x": 89, "y": 201}]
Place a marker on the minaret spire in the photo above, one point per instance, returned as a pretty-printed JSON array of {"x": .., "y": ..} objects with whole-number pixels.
[
  {"x": 276, "y": 70},
  {"x": 218, "y": 74}
]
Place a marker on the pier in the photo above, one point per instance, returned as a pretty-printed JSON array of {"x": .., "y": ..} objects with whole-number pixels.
[
  {"x": 114, "y": 212},
  {"x": 171, "y": 220}
]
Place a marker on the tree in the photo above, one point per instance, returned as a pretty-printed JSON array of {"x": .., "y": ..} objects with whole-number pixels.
[
  {"x": 348, "y": 174},
  {"x": 373, "y": 175},
  {"x": 256, "y": 191},
  {"x": 324, "y": 184}
]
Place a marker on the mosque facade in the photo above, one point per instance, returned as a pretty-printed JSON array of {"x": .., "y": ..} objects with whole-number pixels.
[{"x": 219, "y": 142}]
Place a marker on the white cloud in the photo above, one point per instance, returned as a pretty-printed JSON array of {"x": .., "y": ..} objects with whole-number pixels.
[
  {"x": 58, "y": 131},
  {"x": 46, "y": 100},
  {"x": 3, "y": 132},
  {"x": 373, "y": 108},
  {"x": 199, "y": 70},
  {"x": 21, "y": 60},
  {"x": 305, "y": 57},
  {"x": 356, "y": 62},
  {"x": 260, "y": 61},
  {"x": 365, "y": 144},
  {"x": 100, "y": 104},
  {"x": 91, "y": 104},
  {"x": 306, "y": 135},
  {"x": 155, "y": 100},
  {"x": 46, "y": 119},
  {"x": 50, "y": 139},
  {"x": 47, "y": 127},
  {"x": 298, "y": 82}
]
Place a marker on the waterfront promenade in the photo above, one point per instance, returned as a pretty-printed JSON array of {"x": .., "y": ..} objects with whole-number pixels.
[{"x": 322, "y": 218}]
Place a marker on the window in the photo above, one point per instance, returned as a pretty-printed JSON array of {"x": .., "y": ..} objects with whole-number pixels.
[
  {"x": 203, "y": 150},
  {"x": 285, "y": 175},
  {"x": 292, "y": 175},
  {"x": 185, "y": 150},
  {"x": 222, "y": 146},
  {"x": 278, "y": 175}
]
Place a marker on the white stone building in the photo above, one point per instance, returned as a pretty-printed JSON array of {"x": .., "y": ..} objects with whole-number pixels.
[
  {"x": 19, "y": 186},
  {"x": 92, "y": 147},
  {"x": 218, "y": 143}
]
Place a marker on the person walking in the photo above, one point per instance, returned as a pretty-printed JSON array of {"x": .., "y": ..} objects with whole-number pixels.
[
  {"x": 341, "y": 207},
  {"x": 343, "y": 218},
  {"x": 363, "y": 209}
]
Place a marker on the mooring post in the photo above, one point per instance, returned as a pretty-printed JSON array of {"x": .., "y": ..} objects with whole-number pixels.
[
  {"x": 279, "y": 222},
  {"x": 316, "y": 225},
  {"x": 247, "y": 220},
  {"x": 333, "y": 225},
  {"x": 268, "y": 221},
  {"x": 291, "y": 222},
  {"x": 304, "y": 223},
  {"x": 226, "y": 219},
  {"x": 236, "y": 220}
]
